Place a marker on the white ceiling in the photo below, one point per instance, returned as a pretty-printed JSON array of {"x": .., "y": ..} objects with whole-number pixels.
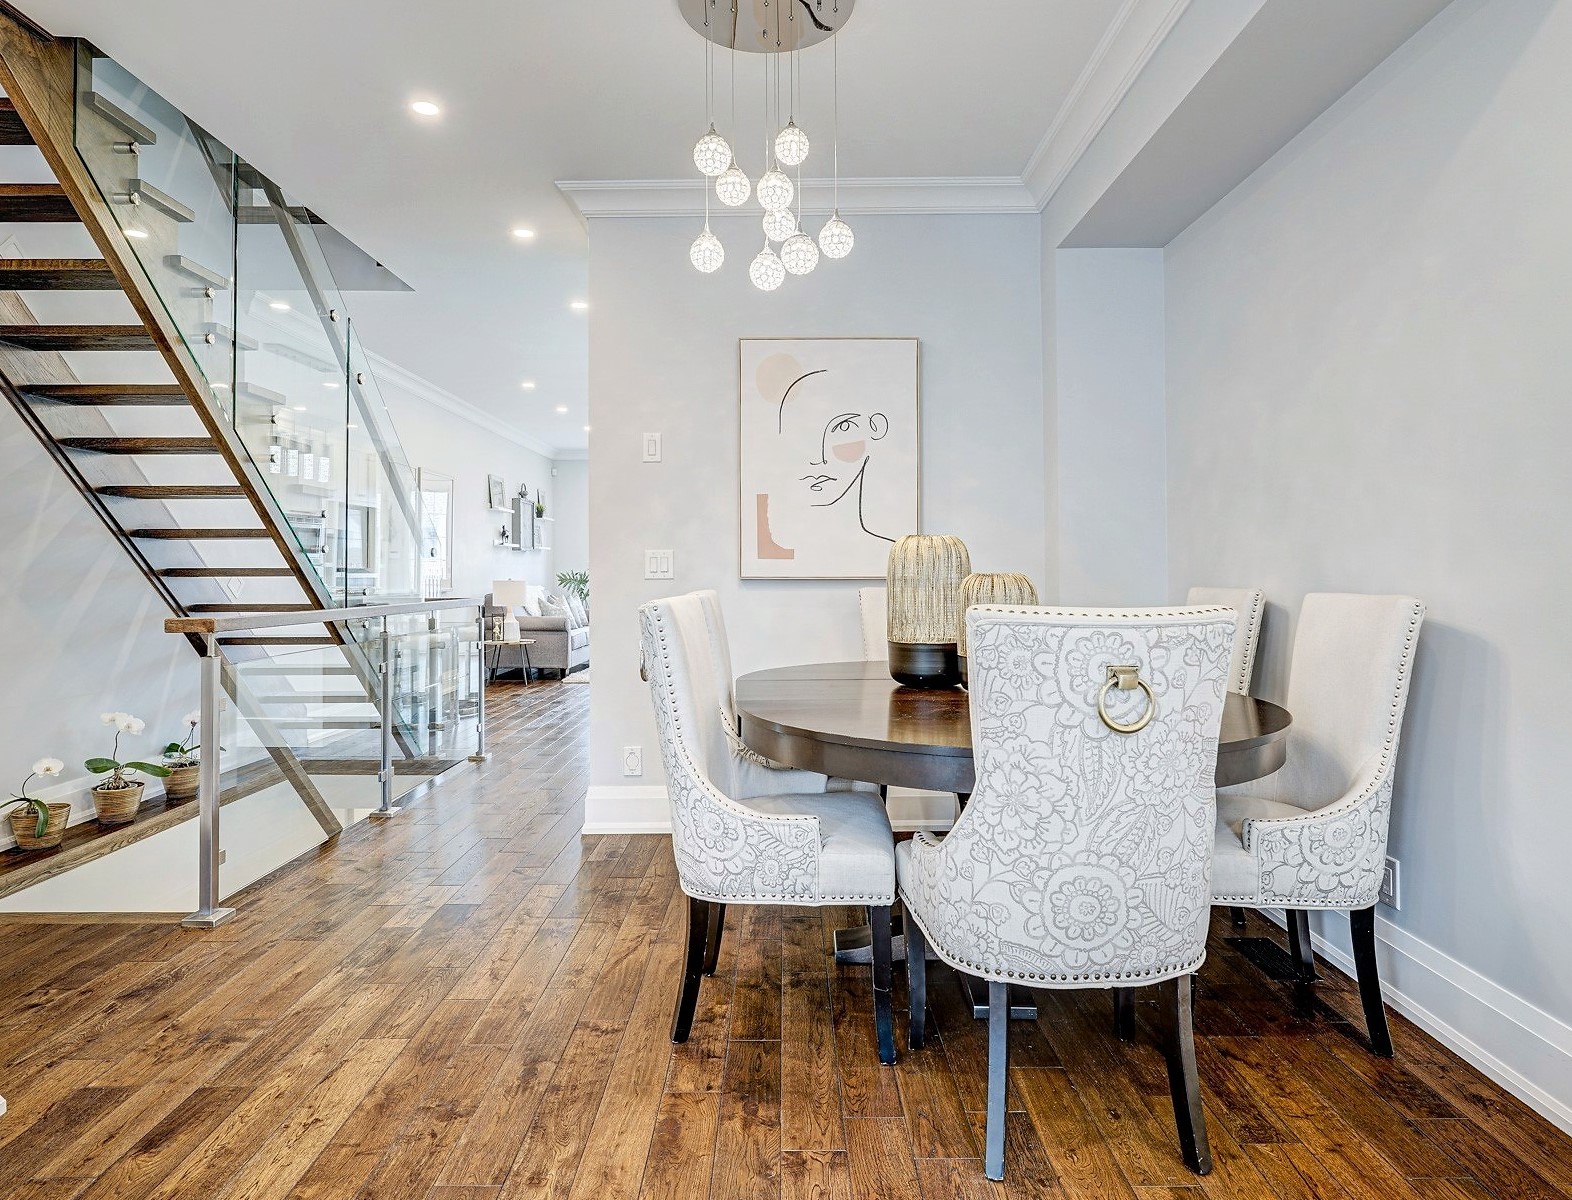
[{"x": 317, "y": 94}]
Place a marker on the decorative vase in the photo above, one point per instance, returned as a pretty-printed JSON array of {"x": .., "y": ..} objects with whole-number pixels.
[
  {"x": 24, "y": 827},
  {"x": 117, "y": 806},
  {"x": 182, "y": 784},
  {"x": 990, "y": 588},
  {"x": 923, "y": 594}
]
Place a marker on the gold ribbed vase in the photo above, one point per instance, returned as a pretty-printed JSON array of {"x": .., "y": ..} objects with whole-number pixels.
[
  {"x": 994, "y": 587},
  {"x": 924, "y": 592}
]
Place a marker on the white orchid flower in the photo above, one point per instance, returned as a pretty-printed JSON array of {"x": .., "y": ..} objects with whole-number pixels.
[
  {"x": 110, "y": 718},
  {"x": 48, "y": 766},
  {"x": 126, "y": 723},
  {"x": 193, "y": 719}
]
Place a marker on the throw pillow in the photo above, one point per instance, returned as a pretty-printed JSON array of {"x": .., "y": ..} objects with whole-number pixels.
[
  {"x": 531, "y": 605},
  {"x": 576, "y": 607},
  {"x": 551, "y": 607}
]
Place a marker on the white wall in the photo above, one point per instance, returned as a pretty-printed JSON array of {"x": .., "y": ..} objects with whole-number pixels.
[
  {"x": 1110, "y": 443},
  {"x": 571, "y": 510},
  {"x": 663, "y": 357},
  {"x": 1368, "y": 369}
]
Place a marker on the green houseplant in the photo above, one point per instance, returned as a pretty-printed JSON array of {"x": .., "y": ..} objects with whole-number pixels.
[
  {"x": 575, "y": 583},
  {"x": 116, "y": 800},
  {"x": 185, "y": 772},
  {"x": 37, "y": 824}
]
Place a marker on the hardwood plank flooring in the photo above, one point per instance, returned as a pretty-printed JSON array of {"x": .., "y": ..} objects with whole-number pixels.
[{"x": 473, "y": 1001}]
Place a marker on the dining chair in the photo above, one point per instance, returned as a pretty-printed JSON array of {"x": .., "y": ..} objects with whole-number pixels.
[
  {"x": 744, "y": 831},
  {"x": 1082, "y": 859},
  {"x": 1312, "y": 836},
  {"x": 1248, "y": 603},
  {"x": 873, "y": 604}
]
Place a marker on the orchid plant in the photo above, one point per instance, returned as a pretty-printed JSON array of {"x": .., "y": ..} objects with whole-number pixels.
[
  {"x": 45, "y": 768},
  {"x": 123, "y": 723},
  {"x": 184, "y": 752}
]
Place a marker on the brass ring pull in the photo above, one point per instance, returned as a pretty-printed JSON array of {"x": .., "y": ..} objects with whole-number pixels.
[{"x": 1126, "y": 678}]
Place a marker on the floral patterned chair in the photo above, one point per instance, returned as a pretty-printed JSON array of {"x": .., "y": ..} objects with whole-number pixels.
[
  {"x": 1248, "y": 603},
  {"x": 1083, "y": 857},
  {"x": 1313, "y": 835},
  {"x": 744, "y": 831}
]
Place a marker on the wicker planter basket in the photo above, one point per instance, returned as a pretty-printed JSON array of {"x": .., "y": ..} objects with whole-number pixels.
[
  {"x": 990, "y": 588},
  {"x": 24, "y": 826},
  {"x": 923, "y": 594},
  {"x": 117, "y": 806},
  {"x": 182, "y": 783}
]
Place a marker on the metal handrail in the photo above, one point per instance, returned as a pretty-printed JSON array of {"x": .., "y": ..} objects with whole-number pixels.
[{"x": 242, "y": 622}]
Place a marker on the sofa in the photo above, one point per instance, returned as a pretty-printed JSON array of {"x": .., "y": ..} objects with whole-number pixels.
[{"x": 561, "y": 643}]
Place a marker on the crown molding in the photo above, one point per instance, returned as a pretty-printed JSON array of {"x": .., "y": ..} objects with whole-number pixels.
[
  {"x": 879, "y": 197},
  {"x": 577, "y": 454},
  {"x": 388, "y": 371}
]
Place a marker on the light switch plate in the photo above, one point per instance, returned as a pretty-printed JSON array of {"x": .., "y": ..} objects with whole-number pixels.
[
  {"x": 1392, "y": 884},
  {"x": 658, "y": 564},
  {"x": 652, "y": 447}
]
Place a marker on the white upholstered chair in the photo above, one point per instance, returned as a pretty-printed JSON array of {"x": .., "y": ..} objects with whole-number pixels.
[
  {"x": 1248, "y": 603},
  {"x": 1313, "y": 835},
  {"x": 1082, "y": 859},
  {"x": 746, "y": 832},
  {"x": 873, "y": 605}
]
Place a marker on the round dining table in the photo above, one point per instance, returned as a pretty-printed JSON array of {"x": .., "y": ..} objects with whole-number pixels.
[{"x": 851, "y": 720}]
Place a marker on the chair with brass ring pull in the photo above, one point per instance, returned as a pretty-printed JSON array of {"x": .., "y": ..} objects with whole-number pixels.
[{"x": 1126, "y": 679}]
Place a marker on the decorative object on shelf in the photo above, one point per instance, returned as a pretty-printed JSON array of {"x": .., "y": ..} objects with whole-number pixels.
[
  {"x": 496, "y": 492},
  {"x": 575, "y": 583},
  {"x": 39, "y": 824},
  {"x": 540, "y": 508},
  {"x": 116, "y": 800},
  {"x": 777, "y": 33},
  {"x": 182, "y": 782},
  {"x": 828, "y": 464},
  {"x": 989, "y": 588},
  {"x": 509, "y": 594},
  {"x": 924, "y": 596}
]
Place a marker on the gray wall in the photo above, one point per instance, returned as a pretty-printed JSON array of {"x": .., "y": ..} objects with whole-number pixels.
[{"x": 1368, "y": 366}]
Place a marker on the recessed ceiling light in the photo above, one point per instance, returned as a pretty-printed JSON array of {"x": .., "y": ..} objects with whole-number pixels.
[
  {"x": 278, "y": 306},
  {"x": 523, "y": 234},
  {"x": 562, "y": 408},
  {"x": 579, "y": 305},
  {"x": 528, "y": 385},
  {"x": 424, "y": 108}
]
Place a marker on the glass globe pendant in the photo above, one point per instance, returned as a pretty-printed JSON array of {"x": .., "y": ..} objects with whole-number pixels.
[
  {"x": 775, "y": 190},
  {"x": 780, "y": 224},
  {"x": 712, "y": 154},
  {"x": 800, "y": 254},
  {"x": 766, "y": 270},
  {"x": 791, "y": 145},
  {"x": 836, "y": 239},
  {"x": 732, "y": 187},
  {"x": 707, "y": 253}
]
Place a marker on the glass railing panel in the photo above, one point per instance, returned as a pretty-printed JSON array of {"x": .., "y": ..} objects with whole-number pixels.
[
  {"x": 436, "y": 676},
  {"x": 384, "y": 495}
]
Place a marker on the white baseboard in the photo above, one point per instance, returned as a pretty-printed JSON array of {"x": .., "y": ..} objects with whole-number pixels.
[
  {"x": 611, "y": 808},
  {"x": 1520, "y": 1046}
]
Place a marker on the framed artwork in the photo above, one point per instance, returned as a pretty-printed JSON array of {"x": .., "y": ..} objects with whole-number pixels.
[
  {"x": 496, "y": 492},
  {"x": 829, "y": 455}
]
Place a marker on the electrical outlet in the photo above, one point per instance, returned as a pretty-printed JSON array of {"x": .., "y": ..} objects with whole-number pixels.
[
  {"x": 633, "y": 761},
  {"x": 652, "y": 447},
  {"x": 1391, "y": 885},
  {"x": 658, "y": 564}
]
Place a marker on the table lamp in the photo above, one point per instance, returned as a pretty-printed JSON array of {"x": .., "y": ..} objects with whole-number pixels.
[
  {"x": 990, "y": 588},
  {"x": 508, "y": 594},
  {"x": 924, "y": 591}
]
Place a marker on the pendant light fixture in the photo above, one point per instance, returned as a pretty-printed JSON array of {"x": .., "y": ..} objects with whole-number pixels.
[
  {"x": 836, "y": 239},
  {"x": 712, "y": 153},
  {"x": 766, "y": 271},
  {"x": 780, "y": 224}
]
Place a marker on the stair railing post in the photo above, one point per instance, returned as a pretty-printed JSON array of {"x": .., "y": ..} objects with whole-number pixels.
[
  {"x": 209, "y": 796},
  {"x": 385, "y": 770},
  {"x": 480, "y": 754}
]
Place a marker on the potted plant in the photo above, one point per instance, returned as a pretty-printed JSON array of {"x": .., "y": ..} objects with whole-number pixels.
[
  {"x": 540, "y": 508},
  {"x": 575, "y": 583},
  {"x": 116, "y": 800},
  {"x": 180, "y": 757},
  {"x": 37, "y": 824}
]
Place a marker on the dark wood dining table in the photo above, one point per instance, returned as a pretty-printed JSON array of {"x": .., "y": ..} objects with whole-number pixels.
[{"x": 851, "y": 720}]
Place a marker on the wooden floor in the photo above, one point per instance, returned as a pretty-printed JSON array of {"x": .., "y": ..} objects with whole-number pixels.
[{"x": 471, "y": 1001}]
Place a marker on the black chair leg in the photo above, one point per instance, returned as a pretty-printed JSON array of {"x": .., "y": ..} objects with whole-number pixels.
[
  {"x": 692, "y": 968},
  {"x": 916, "y": 985},
  {"x": 1238, "y": 915},
  {"x": 1303, "y": 954},
  {"x": 998, "y": 1076},
  {"x": 1361, "y": 923},
  {"x": 883, "y": 1000},
  {"x": 1124, "y": 1014},
  {"x": 1183, "y": 1081},
  {"x": 712, "y": 943}
]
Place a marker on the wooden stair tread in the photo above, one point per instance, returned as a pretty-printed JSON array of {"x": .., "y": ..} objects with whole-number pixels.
[
  {"x": 12, "y": 130},
  {"x": 225, "y": 572},
  {"x": 78, "y": 337},
  {"x": 151, "y": 395},
  {"x": 141, "y": 445},
  {"x": 56, "y": 274},
  {"x": 90, "y": 841},
  {"x": 173, "y": 491},
  {"x": 193, "y": 534},
  {"x": 35, "y": 202}
]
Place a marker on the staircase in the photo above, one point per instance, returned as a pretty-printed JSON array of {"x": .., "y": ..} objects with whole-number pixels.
[{"x": 180, "y": 347}]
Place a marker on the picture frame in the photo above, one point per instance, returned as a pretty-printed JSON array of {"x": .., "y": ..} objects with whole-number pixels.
[{"x": 496, "y": 492}]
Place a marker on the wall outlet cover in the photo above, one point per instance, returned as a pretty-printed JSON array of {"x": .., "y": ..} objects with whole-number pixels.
[
  {"x": 1391, "y": 884},
  {"x": 633, "y": 761}
]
